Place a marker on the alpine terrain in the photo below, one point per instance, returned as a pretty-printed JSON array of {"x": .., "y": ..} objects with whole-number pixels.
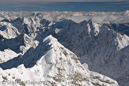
[{"x": 57, "y": 49}]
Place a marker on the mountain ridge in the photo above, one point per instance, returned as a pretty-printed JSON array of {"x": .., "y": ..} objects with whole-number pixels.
[
  {"x": 58, "y": 66},
  {"x": 102, "y": 48}
]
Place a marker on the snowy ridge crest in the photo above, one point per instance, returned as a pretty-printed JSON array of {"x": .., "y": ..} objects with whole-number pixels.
[{"x": 58, "y": 67}]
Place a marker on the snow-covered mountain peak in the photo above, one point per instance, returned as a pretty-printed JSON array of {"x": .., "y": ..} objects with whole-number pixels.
[
  {"x": 98, "y": 45},
  {"x": 26, "y": 25},
  {"x": 8, "y": 31},
  {"x": 67, "y": 66},
  {"x": 57, "y": 66}
]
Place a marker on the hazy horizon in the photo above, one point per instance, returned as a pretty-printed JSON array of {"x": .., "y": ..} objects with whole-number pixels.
[{"x": 117, "y": 6}]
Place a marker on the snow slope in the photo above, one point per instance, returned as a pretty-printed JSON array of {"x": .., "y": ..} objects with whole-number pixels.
[{"x": 55, "y": 66}]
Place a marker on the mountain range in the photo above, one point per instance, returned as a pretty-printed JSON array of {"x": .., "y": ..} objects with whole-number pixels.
[{"x": 35, "y": 51}]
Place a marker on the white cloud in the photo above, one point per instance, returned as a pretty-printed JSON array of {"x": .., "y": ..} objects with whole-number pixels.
[
  {"x": 115, "y": 17},
  {"x": 99, "y": 17}
]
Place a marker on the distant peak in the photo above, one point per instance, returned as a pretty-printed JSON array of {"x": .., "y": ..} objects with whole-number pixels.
[{"x": 90, "y": 20}]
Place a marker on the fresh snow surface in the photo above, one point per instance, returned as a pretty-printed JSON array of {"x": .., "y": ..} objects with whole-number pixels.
[{"x": 60, "y": 49}]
